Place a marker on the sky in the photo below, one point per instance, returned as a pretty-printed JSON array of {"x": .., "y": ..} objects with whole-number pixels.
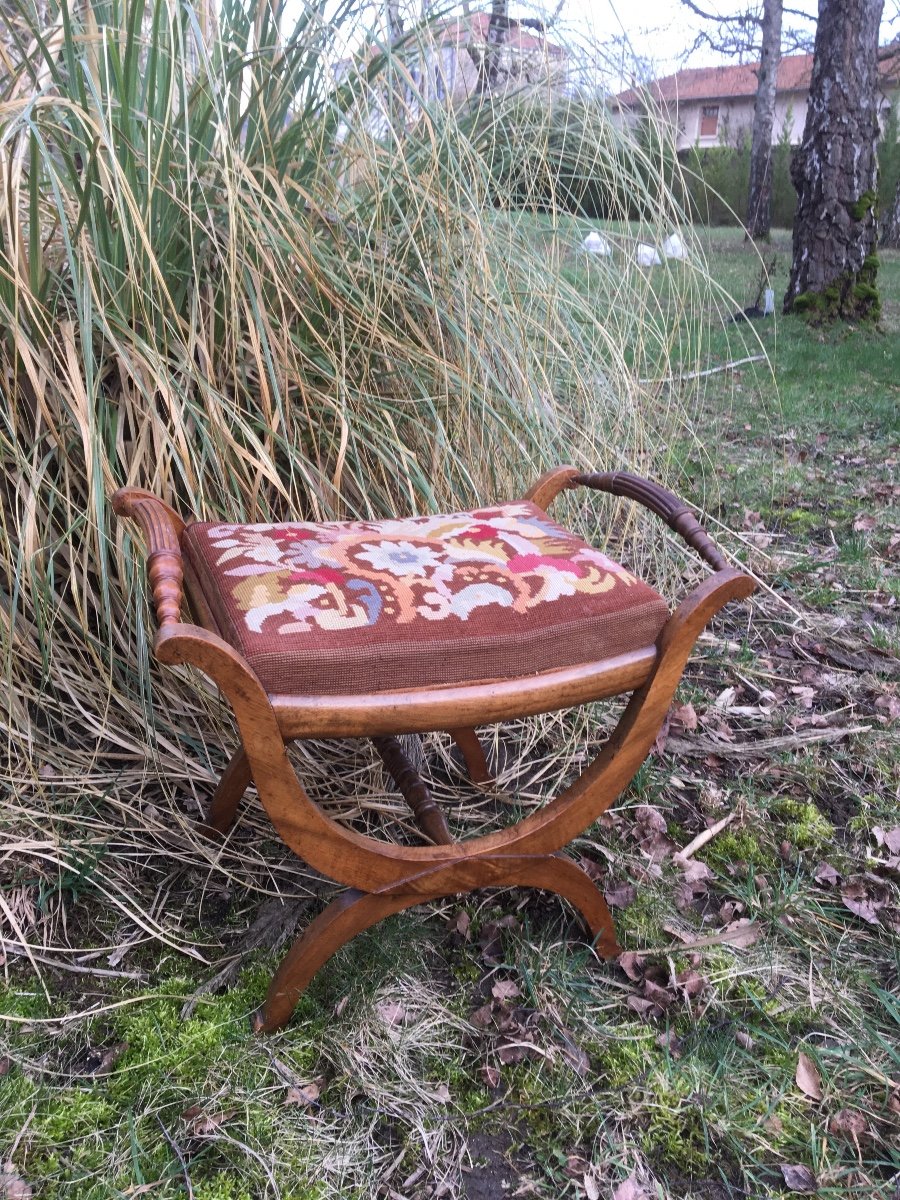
[{"x": 661, "y": 31}]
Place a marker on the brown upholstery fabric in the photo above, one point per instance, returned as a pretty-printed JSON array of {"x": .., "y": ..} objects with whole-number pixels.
[{"x": 358, "y": 607}]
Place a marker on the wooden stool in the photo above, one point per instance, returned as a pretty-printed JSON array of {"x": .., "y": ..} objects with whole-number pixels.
[{"x": 375, "y": 629}]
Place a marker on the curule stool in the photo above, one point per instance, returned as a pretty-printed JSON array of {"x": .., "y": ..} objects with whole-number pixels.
[{"x": 381, "y": 628}]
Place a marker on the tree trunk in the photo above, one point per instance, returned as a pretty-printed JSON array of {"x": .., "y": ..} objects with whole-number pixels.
[
  {"x": 759, "y": 201},
  {"x": 835, "y": 171},
  {"x": 890, "y": 235},
  {"x": 394, "y": 20},
  {"x": 498, "y": 34}
]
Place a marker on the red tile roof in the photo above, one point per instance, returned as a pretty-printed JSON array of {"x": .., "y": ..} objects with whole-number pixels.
[
  {"x": 474, "y": 28},
  {"x": 720, "y": 83}
]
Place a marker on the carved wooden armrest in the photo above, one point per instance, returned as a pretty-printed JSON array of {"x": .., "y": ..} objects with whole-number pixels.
[
  {"x": 677, "y": 515},
  {"x": 162, "y": 528}
]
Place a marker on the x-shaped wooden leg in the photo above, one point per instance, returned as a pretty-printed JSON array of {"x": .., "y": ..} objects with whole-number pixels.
[{"x": 353, "y": 911}]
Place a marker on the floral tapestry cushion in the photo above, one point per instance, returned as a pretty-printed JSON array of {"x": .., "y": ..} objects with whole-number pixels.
[{"x": 368, "y": 606}]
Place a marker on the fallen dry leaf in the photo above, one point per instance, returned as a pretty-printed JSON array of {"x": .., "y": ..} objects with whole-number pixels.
[
  {"x": 849, "y": 1122},
  {"x": 744, "y": 1039},
  {"x": 482, "y": 1017},
  {"x": 690, "y": 983},
  {"x": 799, "y": 1178},
  {"x": 683, "y": 716},
  {"x": 864, "y": 524},
  {"x": 808, "y": 1078},
  {"x": 13, "y": 1186},
  {"x": 201, "y": 1123},
  {"x": 888, "y": 837},
  {"x": 576, "y": 1166},
  {"x": 304, "y": 1096},
  {"x": 630, "y": 1190},
  {"x": 650, "y": 832},
  {"x": 826, "y": 874},
  {"x": 459, "y": 925},
  {"x": 591, "y": 1187},
  {"x": 5, "y": 1065},
  {"x": 577, "y": 1059},
  {"x": 505, "y": 989},
  {"x": 641, "y": 1007},
  {"x": 889, "y": 704},
  {"x": 865, "y": 896},
  {"x": 620, "y": 895},
  {"x": 392, "y": 1012},
  {"x": 696, "y": 871},
  {"x": 632, "y": 964},
  {"x": 100, "y": 1061},
  {"x": 491, "y": 937},
  {"x": 671, "y": 1042},
  {"x": 741, "y": 933},
  {"x": 441, "y": 1094},
  {"x": 491, "y": 1076}
]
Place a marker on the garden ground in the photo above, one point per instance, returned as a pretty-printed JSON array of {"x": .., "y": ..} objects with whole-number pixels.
[{"x": 748, "y": 1043}]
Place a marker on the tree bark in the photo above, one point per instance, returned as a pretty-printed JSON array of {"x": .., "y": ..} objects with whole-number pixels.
[
  {"x": 891, "y": 233},
  {"x": 497, "y": 36},
  {"x": 759, "y": 200},
  {"x": 394, "y": 20},
  {"x": 834, "y": 268}
]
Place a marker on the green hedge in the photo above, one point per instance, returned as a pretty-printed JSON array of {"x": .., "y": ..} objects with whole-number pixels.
[{"x": 717, "y": 178}]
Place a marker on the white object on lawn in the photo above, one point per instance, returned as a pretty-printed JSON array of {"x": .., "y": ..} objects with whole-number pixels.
[
  {"x": 647, "y": 256},
  {"x": 596, "y": 243},
  {"x": 769, "y": 303},
  {"x": 674, "y": 247}
]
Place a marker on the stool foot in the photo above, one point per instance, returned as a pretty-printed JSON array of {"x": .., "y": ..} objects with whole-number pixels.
[{"x": 353, "y": 911}]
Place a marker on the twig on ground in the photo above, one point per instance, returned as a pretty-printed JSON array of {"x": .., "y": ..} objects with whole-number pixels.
[
  {"x": 22, "y": 951},
  {"x": 176, "y": 1150},
  {"x": 729, "y": 366},
  {"x": 699, "y": 747},
  {"x": 702, "y": 838}
]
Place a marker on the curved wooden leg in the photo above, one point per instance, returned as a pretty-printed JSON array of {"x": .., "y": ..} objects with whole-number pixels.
[
  {"x": 353, "y": 911},
  {"x": 223, "y": 806},
  {"x": 473, "y": 754}
]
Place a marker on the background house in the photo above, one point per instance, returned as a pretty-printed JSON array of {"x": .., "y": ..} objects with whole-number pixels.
[
  {"x": 443, "y": 61},
  {"x": 710, "y": 105}
]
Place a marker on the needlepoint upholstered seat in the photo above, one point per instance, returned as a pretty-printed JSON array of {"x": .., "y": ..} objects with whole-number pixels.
[
  {"x": 380, "y": 628},
  {"x": 377, "y": 605}
]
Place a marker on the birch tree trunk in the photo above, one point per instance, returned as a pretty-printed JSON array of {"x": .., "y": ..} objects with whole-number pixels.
[
  {"x": 834, "y": 268},
  {"x": 497, "y": 36},
  {"x": 891, "y": 233},
  {"x": 759, "y": 200}
]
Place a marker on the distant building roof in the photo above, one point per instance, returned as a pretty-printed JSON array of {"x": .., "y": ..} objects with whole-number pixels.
[
  {"x": 728, "y": 82},
  {"x": 473, "y": 27}
]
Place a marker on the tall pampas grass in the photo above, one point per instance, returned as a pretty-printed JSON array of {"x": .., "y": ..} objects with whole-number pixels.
[{"x": 234, "y": 271}]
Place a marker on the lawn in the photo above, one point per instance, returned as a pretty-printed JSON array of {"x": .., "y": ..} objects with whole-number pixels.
[{"x": 748, "y": 1042}]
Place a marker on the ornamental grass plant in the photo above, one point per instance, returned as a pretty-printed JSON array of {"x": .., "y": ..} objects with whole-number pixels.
[{"x": 246, "y": 262}]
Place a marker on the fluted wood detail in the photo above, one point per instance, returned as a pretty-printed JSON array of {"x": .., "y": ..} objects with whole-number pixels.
[{"x": 676, "y": 514}]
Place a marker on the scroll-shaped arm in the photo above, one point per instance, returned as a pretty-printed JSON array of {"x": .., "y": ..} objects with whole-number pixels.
[
  {"x": 162, "y": 528},
  {"x": 676, "y": 514}
]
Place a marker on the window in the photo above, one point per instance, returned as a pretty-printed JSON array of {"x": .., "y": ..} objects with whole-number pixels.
[{"x": 709, "y": 120}]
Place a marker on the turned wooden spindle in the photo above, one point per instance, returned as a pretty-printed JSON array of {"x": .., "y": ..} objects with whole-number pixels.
[{"x": 413, "y": 789}]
